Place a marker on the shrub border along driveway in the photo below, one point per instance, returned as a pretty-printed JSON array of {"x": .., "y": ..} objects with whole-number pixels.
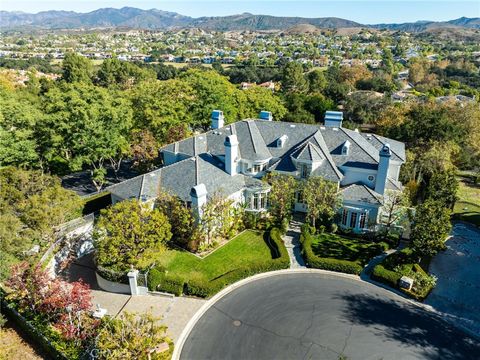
[{"x": 186, "y": 331}]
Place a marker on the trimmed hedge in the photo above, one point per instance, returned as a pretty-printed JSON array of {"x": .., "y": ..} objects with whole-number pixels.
[
  {"x": 201, "y": 286},
  {"x": 112, "y": 275},
  {"x": 317, "y": 262},
  {"x": 158, "y": 281},
  {"x": 403, "y": 261},
  {"x": 386, "y": 276},
  {"x": 276, "y": 244}
]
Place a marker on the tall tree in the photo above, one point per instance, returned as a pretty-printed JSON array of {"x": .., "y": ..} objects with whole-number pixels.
[
  {"x": 281, "y": 195},
  {"x": 160, "y": 105},
  {"x": 76, "y": 68},
  {"x": 86, "y": 126},
  {"x": 19, "y": 114},
  {"x": 32, "y": 205},
  {"x": 394, "y": 209},
  {"x": 183, "y": 222},
  {"x": 213, "y": 91},
  {"x": 443, "y": 187},
  {"x": 316, "y": 81},
  {"x": 321, "y": 198},
  {"x": 129, "y": 233},
  {"x": 430, "y": 229},
  {"x": 293, "y": 79},
  {"x": 122, "y": 74}
]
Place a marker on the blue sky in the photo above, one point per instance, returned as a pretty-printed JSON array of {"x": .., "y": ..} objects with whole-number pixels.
[{"x": 367, "y": 12}]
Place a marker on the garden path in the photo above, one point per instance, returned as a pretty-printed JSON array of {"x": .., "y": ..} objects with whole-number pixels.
[{"x": 292, "y": 243}]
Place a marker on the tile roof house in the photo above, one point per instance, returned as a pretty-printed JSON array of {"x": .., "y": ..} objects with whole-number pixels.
[{"x": 232, "y": 158}]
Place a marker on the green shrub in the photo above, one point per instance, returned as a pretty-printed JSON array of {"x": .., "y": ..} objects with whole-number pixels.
[
  {"x": 155, "y": 277},
  {"x": 277, "y": 246},
  {"x": 418, "y": 269},
  {"x": 284, "y": 225},
  {"x": 112, "y": 275},
  {"x": 3, "y": 321},
  {"x": 159, "y": 281},
  {"x": 331, "y": 264},
  {"x": 172, "y": 284},
  {"x": 386, "y": 276}
]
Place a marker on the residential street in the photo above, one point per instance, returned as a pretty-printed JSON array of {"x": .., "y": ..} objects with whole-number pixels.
[
  {"x": 458, "y": 271},
  {"x": 322, "y": 316}
]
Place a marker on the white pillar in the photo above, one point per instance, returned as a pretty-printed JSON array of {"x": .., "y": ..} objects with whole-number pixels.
[{"x": 132, "y": 280}]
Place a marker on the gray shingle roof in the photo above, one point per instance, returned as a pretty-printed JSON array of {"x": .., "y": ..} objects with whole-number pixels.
[
  {"x": 258, "y": 141},
  {"x": 180, "y": 177},
  {"x": 397, "y": 147},
  {"x": 361, "y": 193},
  {"x": 309, "y": 152}
]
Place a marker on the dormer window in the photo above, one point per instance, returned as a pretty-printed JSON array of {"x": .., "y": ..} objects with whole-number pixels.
[
  {"x": 346, "y": 148},
  {"x": 304, "y": 170},
  {"x": 281, "y": 141}
]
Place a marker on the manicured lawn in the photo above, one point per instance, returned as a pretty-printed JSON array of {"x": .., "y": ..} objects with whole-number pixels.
[
  {"x": 345, "y": 248},
  {"x": 246, "y": 248},
  {"x": 467, "y": 207}
]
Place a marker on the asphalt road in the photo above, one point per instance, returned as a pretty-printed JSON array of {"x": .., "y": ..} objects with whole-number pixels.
[
  {"x": 315, "y": 316},
  {"x": 458, "y": 271}
]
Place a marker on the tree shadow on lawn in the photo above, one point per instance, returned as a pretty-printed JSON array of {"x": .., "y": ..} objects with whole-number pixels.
[{"x": 411, "y": 326}]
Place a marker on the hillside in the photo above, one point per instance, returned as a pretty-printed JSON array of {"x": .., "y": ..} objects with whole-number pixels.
[
  {"x": 419, "y": 26},
  {"x": 129, "y": 17}
]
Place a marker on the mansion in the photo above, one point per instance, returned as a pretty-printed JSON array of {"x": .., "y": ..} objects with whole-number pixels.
[{"x": 233, "y": 158}]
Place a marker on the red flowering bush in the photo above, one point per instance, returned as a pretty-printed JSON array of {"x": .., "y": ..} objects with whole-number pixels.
[{"x": 64, "y": 305}]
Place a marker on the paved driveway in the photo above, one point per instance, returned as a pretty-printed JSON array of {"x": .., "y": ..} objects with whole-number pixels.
[
  {"x": 174, "y": 311},
  {"x": 320, "y": 316},
  {"x": 457, "y": 293}
]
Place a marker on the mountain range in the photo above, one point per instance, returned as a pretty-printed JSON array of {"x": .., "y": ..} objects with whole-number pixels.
[{"x": 129, "y": 17}]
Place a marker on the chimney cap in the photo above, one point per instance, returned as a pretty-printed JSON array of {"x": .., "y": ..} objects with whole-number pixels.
[
  {"x": 198, "y": 191},
  {"x": 385, "y": 150},
  {"x": 265, "y": 115},
  {"x": 217, "y": 113},
  {"x": 231, "y": 140}
]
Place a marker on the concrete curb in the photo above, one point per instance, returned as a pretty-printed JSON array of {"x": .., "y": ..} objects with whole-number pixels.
[{"x": 188, "y": 328}]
